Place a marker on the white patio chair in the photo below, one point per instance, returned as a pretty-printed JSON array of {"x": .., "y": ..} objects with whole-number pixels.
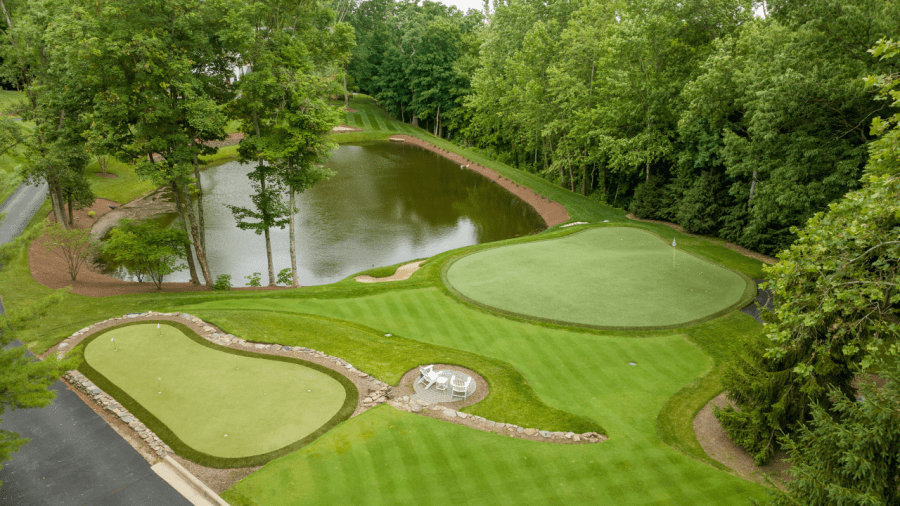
[
  {"x": 459, "y": 388},
  {"x": 428, "y": 375}
]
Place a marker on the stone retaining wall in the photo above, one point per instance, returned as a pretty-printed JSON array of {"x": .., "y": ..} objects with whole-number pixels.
[
  {"x": 477, "y": 422},
  {"x": 80, "y": 382}
]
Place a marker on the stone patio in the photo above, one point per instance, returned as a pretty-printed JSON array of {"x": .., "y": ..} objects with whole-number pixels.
[{"x": 432, "y": 395}]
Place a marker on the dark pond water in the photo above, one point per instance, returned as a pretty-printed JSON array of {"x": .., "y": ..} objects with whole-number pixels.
[{"x": 388, "y": 203}]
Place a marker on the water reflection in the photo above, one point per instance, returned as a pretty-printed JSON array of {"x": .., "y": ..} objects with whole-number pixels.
[{"x": 387, "y": 204}]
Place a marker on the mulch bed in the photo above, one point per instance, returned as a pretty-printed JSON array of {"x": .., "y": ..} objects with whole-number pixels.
[
  {"x": 716, "y": 443},
  {"x": 50, "y": 269},
  {"x": 553, "y": 213}
]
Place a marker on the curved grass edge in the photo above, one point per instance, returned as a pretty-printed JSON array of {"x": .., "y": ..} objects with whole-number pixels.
[
  {"x": 746, "y": 298},
  {"x": 182, "y": 448},
  {"x": 505, "y": 382}
]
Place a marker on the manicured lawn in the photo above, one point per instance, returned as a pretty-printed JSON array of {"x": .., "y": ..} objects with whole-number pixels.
[
  {"x": 541, "y": 374},
  {"x": 390, "y": 457},
  {"x": 607, "y": 277},
  {"x": 400, "y": 459},
  {"x": 216, "y": 402}
]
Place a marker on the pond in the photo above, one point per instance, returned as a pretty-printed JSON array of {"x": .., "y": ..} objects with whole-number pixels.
[{"x": 388, "y": 203}]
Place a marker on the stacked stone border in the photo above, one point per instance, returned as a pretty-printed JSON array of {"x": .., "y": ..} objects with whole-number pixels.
[
  {"x": 552, "y": 212},
  {"x": 85, "y": 385},
  {"x": 448, "y": 414},
  {"x": 372, "y": 391}
]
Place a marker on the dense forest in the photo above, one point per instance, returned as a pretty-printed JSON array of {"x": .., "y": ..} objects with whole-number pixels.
[{"x": 732, "y": 118}]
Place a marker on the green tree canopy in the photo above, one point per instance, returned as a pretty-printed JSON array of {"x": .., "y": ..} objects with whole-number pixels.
[{"x": 837, "y": 295}]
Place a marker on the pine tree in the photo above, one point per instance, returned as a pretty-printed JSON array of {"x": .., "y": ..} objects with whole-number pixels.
[
  {"x": 837, "y": 294},
  {"x": 850, "y": 456}
]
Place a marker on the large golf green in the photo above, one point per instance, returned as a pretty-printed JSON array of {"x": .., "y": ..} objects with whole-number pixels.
[
  {"x": 605, "y": 277},
  {"x": 216, "y": 402}
]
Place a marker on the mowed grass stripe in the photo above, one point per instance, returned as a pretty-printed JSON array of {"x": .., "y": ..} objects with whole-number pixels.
[
  {"x": 518, "y": 472},
  {"x": 373, "y": 120},
  {"x": 357, "y": 119},
  {"x": 389, "y": 125},
  {"x": 514, "y": 342}
]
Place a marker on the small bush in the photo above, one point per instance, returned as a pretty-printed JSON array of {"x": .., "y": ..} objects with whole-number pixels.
[
  {"x": 254, "y": 279},
  {"x": 91, "y": 214},
  {"x": 223, "y": 282},
  {"x": 286, "y": 276}
]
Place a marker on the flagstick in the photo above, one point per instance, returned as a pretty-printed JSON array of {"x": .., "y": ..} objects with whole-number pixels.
[{"x": 674, "y": 247}]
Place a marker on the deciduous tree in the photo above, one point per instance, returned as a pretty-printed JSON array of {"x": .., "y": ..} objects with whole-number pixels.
[
  {"x": 837, "y": 294},
  {"x": 72, "y": 245}
]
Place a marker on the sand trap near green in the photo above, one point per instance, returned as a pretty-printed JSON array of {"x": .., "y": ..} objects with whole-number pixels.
[
  {"x": 605, "y": 277},
  {"x": 218, "y": 403}
]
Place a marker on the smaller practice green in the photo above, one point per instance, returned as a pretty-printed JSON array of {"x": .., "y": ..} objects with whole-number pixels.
[
  {"x": 218, "y": 402},
  {"x": 611, "y": 277}
]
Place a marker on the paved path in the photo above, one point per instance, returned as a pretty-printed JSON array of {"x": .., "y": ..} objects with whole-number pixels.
[
  {"x": 20, "y": 208},
  {"x": 74, "y": 457},
  {"x": 763, "y": 300}
]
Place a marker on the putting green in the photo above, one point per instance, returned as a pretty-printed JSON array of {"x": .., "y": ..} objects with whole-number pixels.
[
  {"x": 606, "y": 277},
  {"x": 217, "y": 403}
]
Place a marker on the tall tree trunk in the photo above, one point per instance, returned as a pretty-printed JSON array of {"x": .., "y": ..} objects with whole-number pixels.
[
  {"x": 752, "y": 189},
  {"x": 584, "y": 175},
  {"x": 346, "y": 96},
  {"x": 57, "y": 205},
  {"x": 293, "y": 244},
  {"x": 262, "y": 189},
  {"x": 200, "y": 202},
  {"x": 71, "y": 214},
  {"x": 571, "y": 176},
  {"x": 437, "y": 121},
  {"x": 544, "y": 152},
  {"x": 62, "y": 207},
  {"x": 603, "y": 175},
  {"x": 195, "y": 234},
  {"x": 189, "y": 253},
  {"x": 648, "y": 170}
]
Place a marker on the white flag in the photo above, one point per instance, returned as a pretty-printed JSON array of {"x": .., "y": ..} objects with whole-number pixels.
[
  {"x": 157, "y": 325},
  {"x": 673, "y": 243}
]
